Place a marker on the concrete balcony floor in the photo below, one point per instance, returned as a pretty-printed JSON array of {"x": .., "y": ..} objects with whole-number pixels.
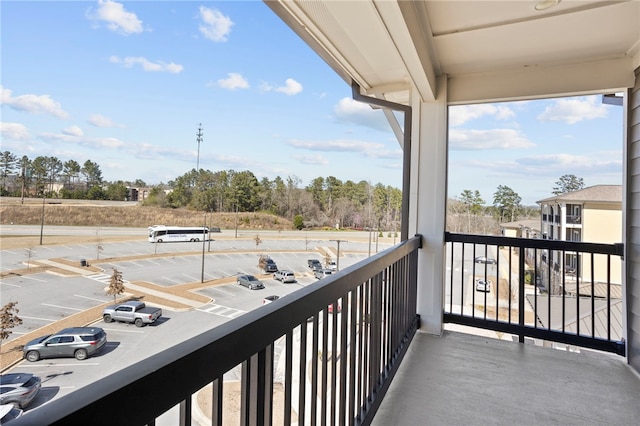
[{"x": 463, "y": 379}]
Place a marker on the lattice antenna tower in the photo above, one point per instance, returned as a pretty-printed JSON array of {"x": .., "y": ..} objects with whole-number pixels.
[{"x": 199, "y": 140}]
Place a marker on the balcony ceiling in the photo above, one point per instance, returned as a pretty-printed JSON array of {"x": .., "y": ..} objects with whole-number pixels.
[{"x": 489, "y": 50}]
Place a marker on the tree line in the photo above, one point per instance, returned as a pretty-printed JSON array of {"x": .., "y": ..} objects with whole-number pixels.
[
  {"x": 468, "y": 212},
  {"x": 325, "y": 201}
]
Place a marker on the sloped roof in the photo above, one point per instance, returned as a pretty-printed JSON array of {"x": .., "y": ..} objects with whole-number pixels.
[
  {"x": 533, "y": 224},
  {"x": 574, "y": 323},
  {"x": 596, "y": 193}
]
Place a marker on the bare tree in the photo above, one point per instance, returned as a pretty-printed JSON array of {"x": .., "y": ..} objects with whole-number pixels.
[
  {"x": 116, "y": 284},
  {"x": 29, "y": 252},
  {"x": 99, "y": 245},
  {"x": 8, "y": 319},
  {"x": 257, "y": 240}
]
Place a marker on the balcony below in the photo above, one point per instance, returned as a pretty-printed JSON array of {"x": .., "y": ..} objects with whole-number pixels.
[{"x": 469, "y": 379}]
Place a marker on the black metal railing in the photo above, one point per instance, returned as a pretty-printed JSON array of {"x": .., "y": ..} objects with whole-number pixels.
[
  {"x": 574, "y": 219},
  {"x": 556, "y": 291},
  {"x": 333, "y": 347}
]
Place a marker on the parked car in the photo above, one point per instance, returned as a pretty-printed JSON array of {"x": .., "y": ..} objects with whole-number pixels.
[
  {"x": 483, "y": 285},
  {"x": 321, "y": 273},
  {"x": 270, "y": 299},
  {"x": 285, "y": 276},
  {"x": 78, "y": 342},
  {"x": 332, "y": 265},
  {"x": 9, "y": 412},
  {"x": 267, "y": 264},
  {"x": 314, "y": 264},
  {"x": 132, "y": 311},
  {"x": 251, "y": 282},
  {"x": 484, "y": 259},
  {"x": 19, "y": 389},
  {"x": 338, "y": 306}
]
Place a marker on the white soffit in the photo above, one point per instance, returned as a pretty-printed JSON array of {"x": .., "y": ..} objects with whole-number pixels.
[{"x": 489, "y": 50}]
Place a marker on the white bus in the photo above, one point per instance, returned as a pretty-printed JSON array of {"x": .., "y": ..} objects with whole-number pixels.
[{"x": 166, "y": 234}]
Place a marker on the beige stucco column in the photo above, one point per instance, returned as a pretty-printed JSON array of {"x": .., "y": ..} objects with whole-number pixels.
[{"x": 427, "y": 205}]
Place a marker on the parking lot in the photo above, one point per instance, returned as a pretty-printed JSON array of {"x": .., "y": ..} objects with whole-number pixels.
[{"x": 45, "y": 299}]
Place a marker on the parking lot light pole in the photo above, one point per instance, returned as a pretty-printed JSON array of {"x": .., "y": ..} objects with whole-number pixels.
[
  {"x": 204, "y": 237},
  {"x": 338, "y": 254}
]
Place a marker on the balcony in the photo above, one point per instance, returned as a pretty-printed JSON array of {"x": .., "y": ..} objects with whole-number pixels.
[
  {"x": 333, "y": 349},
  {"x": 573, "y": 219}
]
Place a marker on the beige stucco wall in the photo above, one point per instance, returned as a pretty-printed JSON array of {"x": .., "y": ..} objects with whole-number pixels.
[{"x": 602, "y": 223}]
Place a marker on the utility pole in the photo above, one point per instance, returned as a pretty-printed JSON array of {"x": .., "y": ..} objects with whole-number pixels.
[
  {"x": 204, "y": 238},
  {"x": 338, "y": 254},
  {"x": 199, "y": 140}
]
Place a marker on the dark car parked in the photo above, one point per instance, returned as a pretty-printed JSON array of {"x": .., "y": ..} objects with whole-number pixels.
[
  {"x": 314, "y": 264},
  {"x": 484, "y": 259},
  {"x": 267, "y": 264},
  {"x": 78, "y": 342},
  {"x": 19, "y": 389},
  {"x": 251, "y": 282}
]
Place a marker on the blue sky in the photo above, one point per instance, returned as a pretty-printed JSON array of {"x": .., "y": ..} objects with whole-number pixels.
[{"x": 127, "y": 84}]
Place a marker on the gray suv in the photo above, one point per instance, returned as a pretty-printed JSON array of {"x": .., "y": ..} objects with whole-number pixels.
[
  {"x": 321, "y": 273},
  {"x": 78, "y": 342}
]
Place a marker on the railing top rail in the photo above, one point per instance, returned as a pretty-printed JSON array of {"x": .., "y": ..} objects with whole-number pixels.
[{"x": 612, "y": 249}]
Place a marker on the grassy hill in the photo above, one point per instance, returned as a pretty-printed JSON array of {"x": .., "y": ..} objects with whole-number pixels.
[{"x": 105, "y": 213}]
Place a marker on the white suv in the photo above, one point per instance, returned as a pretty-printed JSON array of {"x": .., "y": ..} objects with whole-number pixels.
[
  {"x": 285, "y": 276},
  {"x": 321, "y": 273}
]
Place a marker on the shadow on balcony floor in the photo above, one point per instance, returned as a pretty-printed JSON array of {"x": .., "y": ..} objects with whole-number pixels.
[{"x": 466, "y": 379}]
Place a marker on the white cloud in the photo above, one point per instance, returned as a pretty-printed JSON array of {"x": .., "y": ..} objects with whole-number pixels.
[
  {"x": 466, "y": 140},
  {"x": 73, "y": 131},
  {"x": 69, "y": 136},
  {"x": 34, "y": 104},
  {"x": 117, "y": 19},
  {"x": 215, "y": 26},
  {"x": 585, "y": 164},
  {"x": 464, "y": 113},
  {"x": 574, "y": 110},
  {"x": 146, "y": 64},
  {"x": 316, "y": 159},
  {"x": 338, "y": 145},
  {"x": 290, "y": 88},
  {"x": 14, "y": 131},
  {"x": 369, "y": 149},
  {"x": 349, "y": 111},
  {"x": 233, "y": 81},
  {"x": 101, "y": 121}
]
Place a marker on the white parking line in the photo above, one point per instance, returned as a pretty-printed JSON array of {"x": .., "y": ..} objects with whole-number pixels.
[
  {"x": 26, "y": 277},
  {"x": 191, "y": 278},
  {"x": 173, "y": 281},
  {"x": 62, "y": 307},
  {"x": 12, "y": 285},
  {"x": 90, "y": 298},
  {"x": 39, "y": 319},
  {"x": 223, "y": 311},
  {"x": 228, "y": 293},
  {"x": 122, "y": 330},
  {"x": 83, "y": 363}
]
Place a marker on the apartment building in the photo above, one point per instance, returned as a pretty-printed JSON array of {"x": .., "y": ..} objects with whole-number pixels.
[{"x": 592, "y": 215}]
